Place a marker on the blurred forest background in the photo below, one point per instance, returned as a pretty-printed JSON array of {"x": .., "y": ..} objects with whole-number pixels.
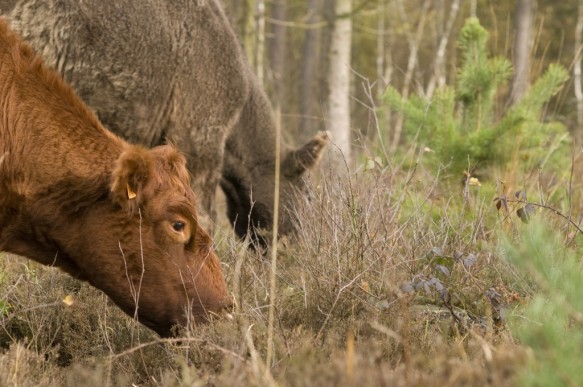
[
  {"x": 409, "y": 45},
  {"x": 406, "y": 273}
]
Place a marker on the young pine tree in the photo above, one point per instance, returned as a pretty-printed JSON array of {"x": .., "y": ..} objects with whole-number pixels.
[
  {"x": 460, "y": 123},
  {"x": 551, "y": 323}
]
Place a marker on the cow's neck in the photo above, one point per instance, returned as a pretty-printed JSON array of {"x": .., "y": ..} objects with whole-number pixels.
[
  {"x": 56, "y": 158},
  {"x": 49, "y": 140}
]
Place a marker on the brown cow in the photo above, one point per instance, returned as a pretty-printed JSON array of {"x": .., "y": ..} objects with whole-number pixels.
[
  {"x": 174, "y": 69},
  {"x": 75, "y": 196}
]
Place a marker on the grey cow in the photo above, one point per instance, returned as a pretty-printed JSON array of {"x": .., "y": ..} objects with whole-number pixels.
[{"x": 173, "y": 70}]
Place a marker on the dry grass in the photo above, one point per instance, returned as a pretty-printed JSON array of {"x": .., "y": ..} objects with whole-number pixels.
[{"x": 360, "y": 301}]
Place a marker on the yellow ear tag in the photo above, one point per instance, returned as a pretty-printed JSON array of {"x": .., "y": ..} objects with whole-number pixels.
[{"x": 131, "y": 193}]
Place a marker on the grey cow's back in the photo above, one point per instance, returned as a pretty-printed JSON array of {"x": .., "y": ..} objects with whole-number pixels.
[
  {"x": 157, "y": 70},
  {"x": 137, "y": 63}
]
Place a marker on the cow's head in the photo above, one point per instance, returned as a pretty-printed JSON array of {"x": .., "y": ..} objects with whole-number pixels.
[
  {"x": 250, "y": 200},
  {"x": 144, "y": 248}
]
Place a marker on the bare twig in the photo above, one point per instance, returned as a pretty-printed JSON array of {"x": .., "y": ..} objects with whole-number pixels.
[
  {"x": 372, "y": 107},
  {"x": 181, "y": 340},
  {"x": 555, "y": 211}
]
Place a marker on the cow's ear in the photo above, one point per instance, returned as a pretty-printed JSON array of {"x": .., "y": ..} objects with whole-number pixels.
[
  {"x": 174, "y": 161},
  {"x": 300, "y": 160},
  {"x": 130, "y": 175}
]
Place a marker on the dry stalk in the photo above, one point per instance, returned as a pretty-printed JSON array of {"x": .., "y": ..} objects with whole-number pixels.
[
  {"x": 406, "y": 337},
  {"x": 256, "y": 363},
  {"x": 178, "y": 341},
  {"x": 274, "y": 241},
  {"x": 135, "y": 293},
  {"x": 350, "y": 358}
]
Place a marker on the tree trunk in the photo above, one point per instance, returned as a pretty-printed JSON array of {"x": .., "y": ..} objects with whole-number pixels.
[
  {"x": 577, "y": 71},
  {"x": 473, "y": 8},
  {"x": 381, "y": 10},
  {"x": 439, "y": 70},
  {"x": 277, "y": 49},
  {"x": 522, "y": 43},
  {"x": 384, "y": 75},
  {"x": 414, "y": 42},
  {"x": 310, "y": 64},
  {"x": 338, "y": 112},
  {"x": 260, "y": 41},
  {"x": 248, "y": 29},
  {"x": 253, "y": 33}
]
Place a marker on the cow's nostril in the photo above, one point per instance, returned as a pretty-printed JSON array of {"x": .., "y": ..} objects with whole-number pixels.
[{"x": 229, "y": 304}]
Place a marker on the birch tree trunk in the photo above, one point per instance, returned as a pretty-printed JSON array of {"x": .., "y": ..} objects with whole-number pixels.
[
  {"x": 577, "y": 71},
  {"x": 473, "y": 8},
  {"x": 522, "y": 43},
  {"x": 253, "y": 20},
  {"x": 438, "y": 77},
  {"x": 310, "y": 65},
  {"x": 248, "y": 29},
  {"x": 338, "y": 111},
  {"x": 260, "y": 41},
  {"x": 384, "y": 76},
  {"x": 414, "y": 41},
  {"x": 277, "y": 49},
  {"x": 381, "y": 41}
]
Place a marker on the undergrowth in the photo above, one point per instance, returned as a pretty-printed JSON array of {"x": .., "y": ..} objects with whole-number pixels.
[{"x": 390, "y": 280}]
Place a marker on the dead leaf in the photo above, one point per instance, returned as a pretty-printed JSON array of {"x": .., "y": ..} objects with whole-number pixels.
[{"x": 68, "y": 300}]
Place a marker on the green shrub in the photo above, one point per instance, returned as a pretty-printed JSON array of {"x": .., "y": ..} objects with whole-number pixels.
[
  {"x": 551, "y": 322},
  {"x": 461, "y": 124}
]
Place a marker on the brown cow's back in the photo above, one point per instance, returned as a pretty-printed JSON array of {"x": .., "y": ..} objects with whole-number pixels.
[{"x": 75, "y": 196}]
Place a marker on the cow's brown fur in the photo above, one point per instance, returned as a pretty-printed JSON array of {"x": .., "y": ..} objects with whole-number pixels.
[
  {"x": 161, "y": 69},
  {"x": 67, "y": 189}
]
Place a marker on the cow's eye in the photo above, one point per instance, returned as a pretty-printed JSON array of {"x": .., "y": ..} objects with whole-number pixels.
[{"x": 178, "y": 226}]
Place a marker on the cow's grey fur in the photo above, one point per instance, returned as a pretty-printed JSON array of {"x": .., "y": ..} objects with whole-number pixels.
[{"x": 173, "y": 70}]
